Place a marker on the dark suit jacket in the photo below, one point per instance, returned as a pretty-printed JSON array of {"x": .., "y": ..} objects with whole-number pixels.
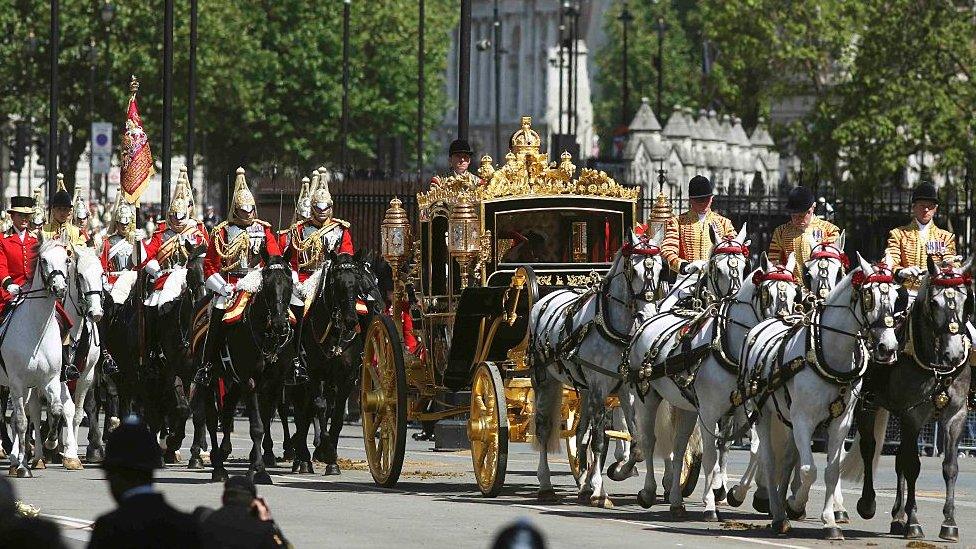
[
  {"x": 234, "y": 527},
  {"x": 145, "y": 521}
]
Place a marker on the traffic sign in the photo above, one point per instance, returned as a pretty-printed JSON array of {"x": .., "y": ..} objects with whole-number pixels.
[{"x": 101, "y": 147}]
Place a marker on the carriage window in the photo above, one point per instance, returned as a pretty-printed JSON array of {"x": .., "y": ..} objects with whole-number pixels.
[{"x": 557, "y": 236}]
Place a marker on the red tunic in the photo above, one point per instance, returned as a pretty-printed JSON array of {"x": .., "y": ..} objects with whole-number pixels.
[
  {"x": 17, "y": 261},
  {"x": 212, "y": 262},
  {"x": 344, "y": 247}
]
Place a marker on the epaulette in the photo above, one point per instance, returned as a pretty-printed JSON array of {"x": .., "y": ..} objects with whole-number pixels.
[
  {"x": 261, "y": 221},
  {"x": 342, "y": 222},
  {"x": 217, "y": 228}
]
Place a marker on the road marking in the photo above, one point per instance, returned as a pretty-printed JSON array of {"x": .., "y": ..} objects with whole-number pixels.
[
  {"x": 764, "y": 542},
  {"x": 74, "y": 528}
]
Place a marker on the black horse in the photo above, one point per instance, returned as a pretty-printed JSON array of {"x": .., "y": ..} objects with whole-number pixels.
[
  {"x": 253, "y": 344},
  {"x": 170, "y": 338},
  {"x": 930, "y": 379},
  {"x": 332, "y": 340}
]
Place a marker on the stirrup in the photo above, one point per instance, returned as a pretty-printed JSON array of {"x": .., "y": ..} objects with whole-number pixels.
[
  {"x": 70, "y": 373},
  {"x": 202, "y": 377},
  {"x": 109, "y": 366}
]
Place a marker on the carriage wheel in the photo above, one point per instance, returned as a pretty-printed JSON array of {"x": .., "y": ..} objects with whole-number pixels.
[
  {"x": 690, "y": 469},
  {"x": 577, "y": 463},
  {"x": 488, "y": 429},
  {"x": 383, "y": 401}
]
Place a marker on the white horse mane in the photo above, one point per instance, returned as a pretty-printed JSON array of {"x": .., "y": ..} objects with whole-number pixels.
[
  {"x": 89, "y": 265},
  {"x": 51, "y": 243}
]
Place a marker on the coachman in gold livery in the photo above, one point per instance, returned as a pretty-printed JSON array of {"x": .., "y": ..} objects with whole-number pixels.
[
  {"x": 687, "y": 237},
  {"x": 802, "y": 232}
]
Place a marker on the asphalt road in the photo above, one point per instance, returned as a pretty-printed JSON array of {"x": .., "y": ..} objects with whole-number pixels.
[{"x": 437, "y": 504}]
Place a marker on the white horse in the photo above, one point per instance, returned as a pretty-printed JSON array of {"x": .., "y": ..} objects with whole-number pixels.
[
  {"x": 83, "y": 305},
  {"x": 578, "y": 339},
  {"x": 31, "y": 357},
  {"x": 799, "y": 374},
  {"x": 825, "y": 268}
]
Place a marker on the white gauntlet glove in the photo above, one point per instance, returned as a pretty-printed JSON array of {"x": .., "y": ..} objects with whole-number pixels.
[
  {"x": 694, "y": 266},
  {"x": 909, "y": 272},
  {"x": 14, "y": 289}
]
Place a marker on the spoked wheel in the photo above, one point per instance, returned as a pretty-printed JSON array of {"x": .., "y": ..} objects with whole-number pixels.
[
  {"x": 383, "y": 401},
  {"x": 577, "y": 463},
  {"x": 488, "y": 429}
]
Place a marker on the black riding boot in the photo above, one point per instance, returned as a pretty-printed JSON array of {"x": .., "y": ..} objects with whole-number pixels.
[
  {"x": 298, "y": 374},
  {"x": 69, "y": 372},
  {"x": 211, "y": 349}
]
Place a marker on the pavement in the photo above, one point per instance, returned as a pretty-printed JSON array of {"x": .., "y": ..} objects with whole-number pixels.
[{"x": 437, "y": 504}]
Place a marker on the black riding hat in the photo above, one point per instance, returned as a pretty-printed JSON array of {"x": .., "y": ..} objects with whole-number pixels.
[
  {"x": 60, "y": 199},
  {"x": 460, "y": 146},
  {"x": 21, "y": 204},
  {"x": 925, "y": 191},
  {"x": 800, "y": 200},
  {"x": 699, "y": 187},
  {"x": 132, "y": 446}
]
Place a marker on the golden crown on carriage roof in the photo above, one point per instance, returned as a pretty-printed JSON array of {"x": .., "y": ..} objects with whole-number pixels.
[{"x": 526, "y": 172}]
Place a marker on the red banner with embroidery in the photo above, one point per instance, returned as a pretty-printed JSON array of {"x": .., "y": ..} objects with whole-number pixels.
[{"x": 137, "y": 162}]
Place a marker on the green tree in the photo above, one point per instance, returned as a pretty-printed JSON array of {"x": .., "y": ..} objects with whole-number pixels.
[{"x": 682, "y": 81}]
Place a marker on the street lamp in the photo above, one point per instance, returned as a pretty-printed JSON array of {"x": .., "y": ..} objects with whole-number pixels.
[
  {"x": 495, "y": 44},
  {"x": 660, "y": 27},
  {"x": 625, "y": 18},
  {"x": 107, "y": 12},
  {"x": 344, "y": 123},
  {"x": 91, "y": 55}
]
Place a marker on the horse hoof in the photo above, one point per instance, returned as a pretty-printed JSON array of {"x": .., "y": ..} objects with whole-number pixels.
[
  {"x": 72, "y": 464},
  {"x": 171, "y": 457},
  {"x": 94, "y": 455},
  {"x": 289, "y": 455},
  {"x": 646, "y": 498},
  {"x": 262, "y": 477},
  {"x": 720, "y": 494},
  {"x": 897, "y": 528},
  {"x": 678, "y": 512},
  {"x": 24, "y": 472},
  {"x": 603, "y": 502},
  {"x": 793, "y": 513},
  {"x": 3, "y": 453},
  {"x": 306, "y": 468},
  {"x": 760, "y": 504},
  {"x": 113, "y": 422},
  {"x": 615, "y": 472},
  {"x": 548, "y": 495},
  {"x": 841, "y": 517},
  {"x": 731, "y": 498},
  {"x": 711, "y": 515},
  {"x": 781, "y": 527},
  {"x": 332, "y": 469},
  {"x": 833, "y": 534},
  {"x": 196, "y": 463},
  {"x": 270, "y": 460},
  {"x": 319, "y": 455},
  {"x": 38, "y": 464},
  {"x": 914, "y": 532},
  {"x": 949, "y": 533},
  {"x": 866, "y": 508},
  {"x": 219, "y": 475}
]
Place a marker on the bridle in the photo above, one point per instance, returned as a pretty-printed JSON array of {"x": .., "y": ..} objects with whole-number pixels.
[
  {"x": 950, "y": 282},
  {"x": 734, "y": 251},
  {"x": 783, "y": 279},
  {"x": 862, "y": 297},
  {"x": 269, "y": 343},
  {"x": 823, "y": 253},
  {"x": 345, "y": 335}
]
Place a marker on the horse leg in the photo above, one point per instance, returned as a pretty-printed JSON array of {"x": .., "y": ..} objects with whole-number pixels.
[
  {"x": 6, "y": 443},
  {"x": 548, "y": 401},
  {"x": 58, "y": 391},
  {"x": 322, "y": 416},
  {"x": 95, "y": 452},
  {"x": 803, "y": 428},
  {"x": 216, "y": 455},
  {"x": 335, "y": 427},
  {"x": 910, "y": 465},
  {"x": 864, "y": 419},
  {"x": 710, "y": 463},
  {"x": 685, "y": 425},
  {"x": 836, "y": 432},
  {"x": 898, "y": 516},
  {"x": 267, "y": 403},
  {"x": 737, "y": 494},
  {"x": 953, "y": 420},
  {"x": 645, "y": 414},
  {"x": 178, "y": 414},
  {"x": 302, "y": 401},
  {"x": 18, "y": 451},
  {"x": 767, "y": 455},
  {"x": 256, "y": 470},
  {"x": 199, "y": 416},
  {"x": 286, "y": 446},
  {"x": 600, "y": 414},
  {"x": 627, "y": 453}
]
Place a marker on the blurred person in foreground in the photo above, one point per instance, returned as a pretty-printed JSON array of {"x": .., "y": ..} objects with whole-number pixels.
[
  {"x": 20, "y": 526},
  {"x": 521, "y": 534},
  {"x": 244, "y": 521},
  {"x": 143, "y": 518}
]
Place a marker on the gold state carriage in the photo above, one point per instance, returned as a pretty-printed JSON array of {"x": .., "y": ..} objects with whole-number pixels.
[{"x": 467, "y": 280}]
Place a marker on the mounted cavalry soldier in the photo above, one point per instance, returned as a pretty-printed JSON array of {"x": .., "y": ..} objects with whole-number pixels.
[
  {"x": 18, "y": 256},
  {"x": 59, "y": 225},
  {"x": 311, "y": 242},
  {"x": 117, "y": 246},
  {"x": 234, "y": 251},
  {"x": 37, "y": 218},
  {"x": 168, "y": 246},
  {"x": 81, "y": 215},
  {"x": 303, "y": 207},
  {"x": 802, "y": 232},
  {"x": 687, "y": 237}
]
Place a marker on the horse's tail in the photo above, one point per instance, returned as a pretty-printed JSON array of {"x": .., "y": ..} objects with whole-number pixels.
[
  {"x": 694, "y": 444},
  {"x": 551, "y": 411},
  {"x": 851, "y": 464}
]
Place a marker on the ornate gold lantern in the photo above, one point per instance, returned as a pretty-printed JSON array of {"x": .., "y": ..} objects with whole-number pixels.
[
  {"x": 661, "y": 213},
  {"x": 464, "y": 235},
  {"x": 395, "y": 245}
]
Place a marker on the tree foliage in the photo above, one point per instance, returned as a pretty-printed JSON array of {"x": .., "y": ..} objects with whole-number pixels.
[{"x": 269, "y": 72}]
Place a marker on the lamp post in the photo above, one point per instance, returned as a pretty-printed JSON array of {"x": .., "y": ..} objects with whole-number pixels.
[
  {"x": 575, "y": 12},
  {"x": 464, "y": 69},
  {"x": 497, "y": 25},
  {"x": 562, "y": 31},
  {"x": 625, "y": 18},
  {"x": 191, "y": 106},
  {"x": 108, "y": 15},
  {"x": 91, "y": 55},
  {"x": 52, "y": 128},
  {"x": 660, "y": 27},
  {"x": 30, "y": 50},
  {"x": 420, "y": 90},
  {"x": 344, "y": 138},
  {"x": 167, "y": 102}
]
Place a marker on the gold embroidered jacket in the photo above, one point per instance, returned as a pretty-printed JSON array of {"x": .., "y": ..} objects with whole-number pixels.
[
  {"x": 687, "y": 239},
  {"x": 907, "y": 249},
  {"x": 788, "y": 238}
]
